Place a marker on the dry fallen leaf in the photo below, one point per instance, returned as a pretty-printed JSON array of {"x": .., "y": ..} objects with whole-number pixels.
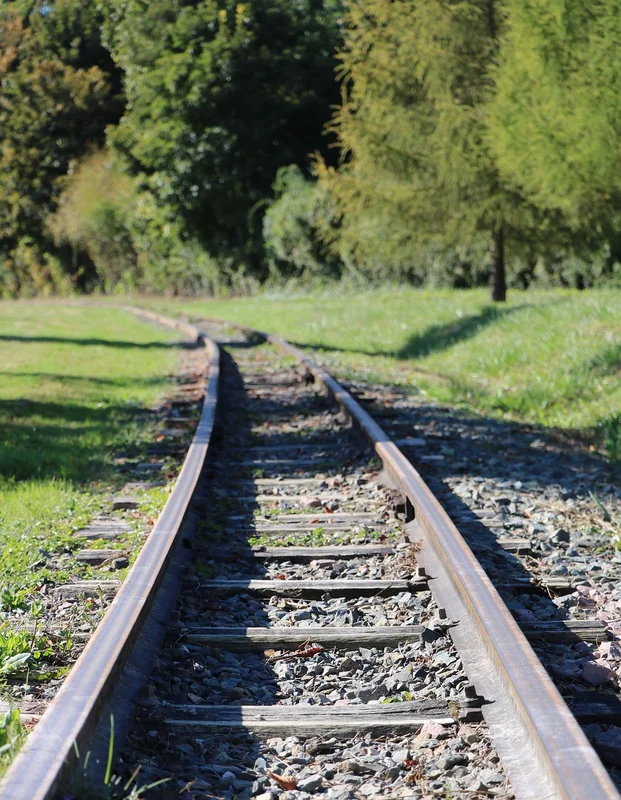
[{"x": 284, "y": 781}]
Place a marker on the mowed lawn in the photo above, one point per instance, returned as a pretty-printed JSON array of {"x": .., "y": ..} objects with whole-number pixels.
[
  {"x": 546, "y": 357},
  {"x": 73, "y": 383}
]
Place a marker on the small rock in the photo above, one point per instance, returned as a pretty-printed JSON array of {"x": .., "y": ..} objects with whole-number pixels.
[
  {"x": 311, "y": 784},
  {"x": 608, "y": 744},
  {"x": 597, "y": 674},
  {"x": 454, "y": 760},
  {"x": 310, "y": 502},
  {"x": 354, "y": 767},
  {"x": 433, "y": 730},
  {"x": 610, "y": 651},
  {"x": 559, "y": 535},
  {"x": 338, "y": 793},
  {"x": 368, "y": 789},
  {"x": 492, "y": 778}
]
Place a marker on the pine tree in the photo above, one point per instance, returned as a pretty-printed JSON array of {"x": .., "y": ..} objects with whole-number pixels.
[
  {"x": 417, "y": 166},
  {"x": 555, "y": 121}
]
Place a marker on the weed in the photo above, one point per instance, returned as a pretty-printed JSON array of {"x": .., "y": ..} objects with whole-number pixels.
[
  {"x": 21, "y": 650},
  {"x": 12, "y": 736},
  {"x": 601, "y": 506},
  {"x": 13, "y": 599},
  {"x": 403, "y": 697},
  {"x": 113, "y": 787},
  {"x": 609, "y": 436},
  {"x": 454, "y": 709}
]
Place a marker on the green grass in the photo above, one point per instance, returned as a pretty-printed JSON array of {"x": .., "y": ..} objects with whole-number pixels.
[
  {"x": 74, "y": 386},
  {"x": 551, "y": 358},
  {"x": 12, "y": 736}
]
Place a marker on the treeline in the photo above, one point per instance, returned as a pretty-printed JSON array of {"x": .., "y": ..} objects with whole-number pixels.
[{"x": 189, "y": 146}]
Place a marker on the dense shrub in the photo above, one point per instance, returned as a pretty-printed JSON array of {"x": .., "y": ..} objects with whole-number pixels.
[{"x": 290, "y": 228}]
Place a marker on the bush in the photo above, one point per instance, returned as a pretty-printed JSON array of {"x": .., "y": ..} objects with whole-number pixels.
[
  {"x": 290, "y": 229},
  {"x": 28, "y": 271},
  {"x": 94, "y": 217}
]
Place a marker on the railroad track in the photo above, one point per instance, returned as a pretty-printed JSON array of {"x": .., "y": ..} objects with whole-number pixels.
[{"x": 331, "y": 635}]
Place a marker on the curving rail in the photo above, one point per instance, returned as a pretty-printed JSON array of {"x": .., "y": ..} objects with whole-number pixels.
[
  {"x": 541, "y": 745},
  {"x": 72, "y": 719}
]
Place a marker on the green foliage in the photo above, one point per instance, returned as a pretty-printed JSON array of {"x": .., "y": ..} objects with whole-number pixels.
[
  {"x": 412, "y": 126},
  {"x": 166, "y": 146},
  {"x": 290, "y": 228},
  {"x": 54, "y": 100},
  {"x": 121, "y": 240},
  {"x": 12, "y": 737},
  {"x": 93, "y": 217},
  {"x": 21, "y": 650},
  {"x": 556, "y": 113},
  {"x": 609, "y": 433},
  {"x": 556, "y": 116},
  {"x": 220, "y": 95}
]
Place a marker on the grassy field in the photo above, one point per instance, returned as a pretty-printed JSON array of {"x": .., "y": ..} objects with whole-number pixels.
[
  {"x": 72, "y": 380},
  {"x": 552, "y": 358}
]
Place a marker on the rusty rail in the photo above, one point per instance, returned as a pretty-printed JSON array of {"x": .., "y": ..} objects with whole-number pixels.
[{"x": 72, "y": 718}]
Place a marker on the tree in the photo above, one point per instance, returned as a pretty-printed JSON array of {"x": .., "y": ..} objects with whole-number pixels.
[
  {"x": 220, "y": 96},
  {"x": 416, "y": 164},
  {"x": 54, "y": 103},
  {"x": 555, "y": 119}
]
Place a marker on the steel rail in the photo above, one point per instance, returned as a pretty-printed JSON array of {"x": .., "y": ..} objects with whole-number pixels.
[
  {"x": 73, "y": 716},
  {"x": 541, "y": 745}
]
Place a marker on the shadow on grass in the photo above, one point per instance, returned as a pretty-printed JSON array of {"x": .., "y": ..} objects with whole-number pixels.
[
  {"x": 607, "y": 362},
  {"x": 63, "y": 440},
  {"x": 93, "y": 342},
  {"x": 433, "y": 339},
  {"x": 437, "y": 338},
  {"x": 72, "y": 379}
]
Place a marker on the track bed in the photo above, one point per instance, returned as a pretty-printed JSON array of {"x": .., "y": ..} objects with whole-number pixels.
[{"x": 305, "y": 642}]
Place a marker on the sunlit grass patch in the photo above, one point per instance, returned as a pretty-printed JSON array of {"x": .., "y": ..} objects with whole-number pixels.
[
  {"x": 76, "y": 387},
  {"x": 12, "y": 736}
]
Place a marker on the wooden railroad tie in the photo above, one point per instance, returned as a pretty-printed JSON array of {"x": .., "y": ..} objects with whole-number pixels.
[
  {"x": 301, "y": 720},
  {"x": 312, "y": 588}
]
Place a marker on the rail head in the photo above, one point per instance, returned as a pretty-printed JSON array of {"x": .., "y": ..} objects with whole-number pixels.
[{"x": 73, "y": 716}]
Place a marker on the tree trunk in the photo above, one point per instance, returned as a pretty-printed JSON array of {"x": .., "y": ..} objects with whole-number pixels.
[{"x": 498, "y": 279}]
